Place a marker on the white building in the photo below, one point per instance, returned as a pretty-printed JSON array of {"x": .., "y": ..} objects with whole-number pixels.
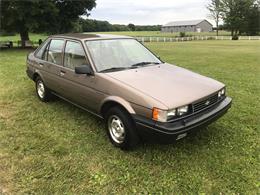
[{"x": 188, "y": 26}]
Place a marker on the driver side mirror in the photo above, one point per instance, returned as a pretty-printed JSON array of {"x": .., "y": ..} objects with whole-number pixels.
[{"x": 84, "y": 69}]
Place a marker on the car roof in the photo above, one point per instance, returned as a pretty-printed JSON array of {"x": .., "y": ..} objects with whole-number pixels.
[{"x": 90, "y": 36}]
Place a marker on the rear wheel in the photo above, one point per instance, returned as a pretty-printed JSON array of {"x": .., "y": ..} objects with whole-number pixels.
[
  {"x": 121, "y": 129},
  {"x": 42, "y": 91}
]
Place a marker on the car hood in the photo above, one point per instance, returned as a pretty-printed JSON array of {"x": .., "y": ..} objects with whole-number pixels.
[{"x": 171, "y": 85}]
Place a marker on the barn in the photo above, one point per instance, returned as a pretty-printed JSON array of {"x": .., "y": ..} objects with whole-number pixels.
[{"x": 188, "y": 26}]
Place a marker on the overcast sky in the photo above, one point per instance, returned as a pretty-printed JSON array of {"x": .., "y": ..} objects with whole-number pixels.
[{"x": 149, "y": 11}]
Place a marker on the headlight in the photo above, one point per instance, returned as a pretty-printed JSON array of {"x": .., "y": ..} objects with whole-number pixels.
[
  {"x": 164, "y": 115},
  {"x": 182, "y": 110},
  {"x": 171, "y": 113},
  {"x": 222, "y": 93}
]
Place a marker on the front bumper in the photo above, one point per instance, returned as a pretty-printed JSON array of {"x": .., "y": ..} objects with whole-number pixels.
[{"x": 168, "y": 132}]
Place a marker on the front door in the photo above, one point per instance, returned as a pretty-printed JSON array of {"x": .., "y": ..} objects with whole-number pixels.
[{"x": 75, "y": 87}]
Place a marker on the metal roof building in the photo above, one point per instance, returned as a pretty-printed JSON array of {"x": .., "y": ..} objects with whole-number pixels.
[{"x": 188, "y": 26}]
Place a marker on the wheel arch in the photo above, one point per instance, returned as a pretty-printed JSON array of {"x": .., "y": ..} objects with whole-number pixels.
[
  {"x": 115, "y": 101},
  {"x": 37, "y": 74}
]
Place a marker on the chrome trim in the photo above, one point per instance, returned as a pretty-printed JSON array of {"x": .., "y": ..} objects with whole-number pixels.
[{"x": 194, "y": 113}]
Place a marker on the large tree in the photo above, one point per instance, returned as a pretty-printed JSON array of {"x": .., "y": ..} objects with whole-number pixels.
[
  {"x": 236, "y": 15},
  {"x": 54, "y": 16},
  {"x": 254, "y": 19},
  {"x": 215, "y": 8}
]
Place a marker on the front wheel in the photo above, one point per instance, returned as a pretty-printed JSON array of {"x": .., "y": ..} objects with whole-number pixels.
[{"x": 121, "y": 129}]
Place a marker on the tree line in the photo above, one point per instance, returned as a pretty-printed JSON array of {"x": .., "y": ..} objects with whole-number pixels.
[
  {"x": 62, "y": 16},
  {"x": 90, "y": 25},
  {"x": 241, "y": 17},
  {"x": 55, "y": 16}
]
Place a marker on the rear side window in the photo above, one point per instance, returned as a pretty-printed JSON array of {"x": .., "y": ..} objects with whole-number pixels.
[
  {"x": 55, "y": 51},
  {"x": 40, "y": 52},
  {"x": 74, "y": 55}
]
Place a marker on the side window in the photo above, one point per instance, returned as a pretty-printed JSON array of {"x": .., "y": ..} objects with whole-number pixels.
[
  {"x": 55, "y": 51},
  {"x": 45, "y": 53},
  {"x": 40, "y": 52},
  {"x": 74, "y": 55}
]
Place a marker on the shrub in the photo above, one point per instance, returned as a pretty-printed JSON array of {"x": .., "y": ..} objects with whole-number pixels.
[
  {"x": 235, "y": 37},
  {"x": 182, "y": 34},
  {"x": 4, "y": 33}
]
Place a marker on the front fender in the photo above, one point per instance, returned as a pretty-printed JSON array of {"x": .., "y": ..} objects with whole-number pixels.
[{"x": 120, "y": 101}]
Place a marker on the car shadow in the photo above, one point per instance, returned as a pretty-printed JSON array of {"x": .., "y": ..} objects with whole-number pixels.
[{"x": 195, "y": 141}]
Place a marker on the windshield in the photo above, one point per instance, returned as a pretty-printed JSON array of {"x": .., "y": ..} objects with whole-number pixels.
[{"x": 119, "y": 54}]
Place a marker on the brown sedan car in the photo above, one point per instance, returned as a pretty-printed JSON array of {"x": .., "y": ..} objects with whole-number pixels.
[{"x": 118, "y": 79}]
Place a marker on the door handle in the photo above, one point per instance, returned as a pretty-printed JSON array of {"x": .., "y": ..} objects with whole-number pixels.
[{"x": 41, "y": 64}]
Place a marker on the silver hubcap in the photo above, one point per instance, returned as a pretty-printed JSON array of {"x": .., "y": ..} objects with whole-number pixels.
[
  {"x": 40, "y": 89},
  {"x": 116, "y": 129}
]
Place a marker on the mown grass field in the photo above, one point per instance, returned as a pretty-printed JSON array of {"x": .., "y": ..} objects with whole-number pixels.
[
  {"x": 57, "y": 148},
  {"x": 35, "y": 37},
  {"x": 159, "y": 34}
]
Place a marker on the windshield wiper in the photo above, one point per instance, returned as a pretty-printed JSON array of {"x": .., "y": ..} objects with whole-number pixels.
[
  {"x": 140, "y": 64},
  {"x": 114, "y": 69},
  {"x": 144, "y": 64}
]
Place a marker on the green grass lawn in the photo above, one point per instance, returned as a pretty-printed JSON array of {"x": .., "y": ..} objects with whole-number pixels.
[
  {"x": 159, "y": 34},
  {"x": 58, "y": 148},
  {"x": 35, "y": 37}
]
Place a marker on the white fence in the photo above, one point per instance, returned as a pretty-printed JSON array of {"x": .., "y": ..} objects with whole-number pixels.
[{"x": 194, "y": 38}]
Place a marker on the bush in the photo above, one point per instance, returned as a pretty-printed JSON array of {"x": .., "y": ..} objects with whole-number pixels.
[
  {"x": 211, "y": 38},
  {"x": 182, "y": 34},
  {"x": 4, "y": 33},
  {"x": 235, "y": 37}
]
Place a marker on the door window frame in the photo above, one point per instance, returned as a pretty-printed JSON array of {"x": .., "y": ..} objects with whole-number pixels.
[
  {"x": 85, "y": 54},
  {"x": 62, "y": 51},
  {"x": 42, "y": 46},
  {"x": 46, "y": 48}
]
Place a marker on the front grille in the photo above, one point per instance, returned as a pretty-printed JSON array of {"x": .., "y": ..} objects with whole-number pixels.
[{"x": 206, "y": 103}]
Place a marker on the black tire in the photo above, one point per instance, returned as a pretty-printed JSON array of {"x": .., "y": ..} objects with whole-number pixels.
[
  {"x": 131, "y": 139},
  {"x": 45, "y": 95}
]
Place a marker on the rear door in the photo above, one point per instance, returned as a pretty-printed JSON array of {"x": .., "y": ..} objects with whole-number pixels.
[
  {"x": 52, "y": 63},
  {"x": 75, "y": 87}
]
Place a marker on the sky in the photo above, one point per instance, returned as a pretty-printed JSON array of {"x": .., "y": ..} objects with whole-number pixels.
[{"x": 149, "y": 12}]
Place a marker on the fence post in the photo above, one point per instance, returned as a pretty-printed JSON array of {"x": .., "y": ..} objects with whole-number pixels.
[
  {"x": 142, "y": 39},
  {"x": 157, "y": 39},
  {"x": 164, "y": 39}
]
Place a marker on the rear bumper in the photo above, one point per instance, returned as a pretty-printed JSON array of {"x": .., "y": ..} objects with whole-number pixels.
[
  {"x": 29, "y": 73},
  {"x": 168, "y": 132}
]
